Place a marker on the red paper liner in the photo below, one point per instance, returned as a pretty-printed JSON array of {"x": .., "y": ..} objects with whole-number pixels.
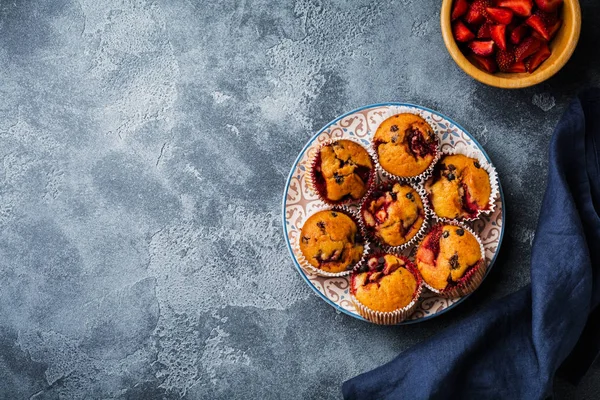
[
  {"x": 492, "y": 175},
  {"x": 419, "y": 235},
  {"x": 312, "y": 177},
  {"x": 388, "y": 317},
  {"x": 317, "y": 271},
  {"x": 472, "y": 277}
]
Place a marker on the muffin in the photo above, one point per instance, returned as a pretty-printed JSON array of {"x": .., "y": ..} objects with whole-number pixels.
[
  {"x": 405, "y": 145},
  {"x": 393, "y": 214},
  {"x": 342, "y": 172},
  {"x": 458, "y": 188},
  {"x": 450, "y": 260},
  {"x": 331, "y": 242},
  {"x": 386, "y": 289}
]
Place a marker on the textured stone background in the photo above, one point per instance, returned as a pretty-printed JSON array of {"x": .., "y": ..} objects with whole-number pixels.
[{"x": 144, "y": 148}]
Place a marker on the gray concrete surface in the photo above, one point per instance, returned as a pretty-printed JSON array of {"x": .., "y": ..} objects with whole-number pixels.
[{"x": 144, "y": 147}]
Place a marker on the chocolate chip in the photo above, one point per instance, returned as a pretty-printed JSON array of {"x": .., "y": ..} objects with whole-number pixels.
[
  {"x": 394, "y": 128},
  {"x": 460, "y": 231},
  {"x": 321, "y": 224},
  {"x": 394, "y": 138},
  {"x": 305, "y": 239},
  {"x": 381, "y": 260},
  {"x": 451, "y": 167},
  {"x": 393, "y": 195},
  {"x": 476, "y": 164},
  {"x": 339, "y": 179},
  {"x": 454, "y": 262},
  {"x": 333, "y": 214},
  {"x": 410, "y": 196},
  {"x": 446, "y": 234},
  {"x": 363, "y": 268},
  {"x": 451, "y": 177}
]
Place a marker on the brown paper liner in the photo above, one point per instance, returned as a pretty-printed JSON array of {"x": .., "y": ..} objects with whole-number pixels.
[
  {"x": 316, "y": 271},
  {"x": 492, "y": 174},
  {"x": 311, "y": 176},
  {"x": 420, "y": 233},
  {"x": 390, "y": 317},
  {"x": 472, "y": 278}
]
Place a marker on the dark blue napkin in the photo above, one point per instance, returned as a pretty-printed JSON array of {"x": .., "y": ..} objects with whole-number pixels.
[{"x": 513, "y": 347}]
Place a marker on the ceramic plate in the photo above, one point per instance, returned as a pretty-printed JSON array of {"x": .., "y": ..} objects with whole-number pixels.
[{"x": 299, "y": 201}]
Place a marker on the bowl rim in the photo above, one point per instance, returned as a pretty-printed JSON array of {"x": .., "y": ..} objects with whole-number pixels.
[{"x": 516, "y": 82}]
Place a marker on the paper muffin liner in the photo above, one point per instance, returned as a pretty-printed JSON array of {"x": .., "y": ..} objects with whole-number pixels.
[
  {"x": 420, "y": 233},
  {"x": 390, "y": 317},
  {"x": 472, "y": 278},
  {"x": 317, "y": 271},
  {"x": 492, "y": 174},
  {"x": 311, "y": 176},
  {"x": 393, "y": 110}
]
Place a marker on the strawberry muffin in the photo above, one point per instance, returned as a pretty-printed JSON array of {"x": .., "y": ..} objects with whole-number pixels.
[
  {"x": 342, "y": 172},
  {"x": 450, "y": 260},
  {"x": 331, "y": 242},
  {"x": 405, "y": 145},
  {"x": 458, "y": 188},
  {"x": 393, "y": 214},
  {"x": 386, "y": 289}
]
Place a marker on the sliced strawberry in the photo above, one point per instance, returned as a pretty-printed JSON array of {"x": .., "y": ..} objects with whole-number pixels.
[
  {"x": 484, "y": 31},
  {"x": 460, "y": 8},
  {"x": 499, "y": 15},
  {"x": 548, "y": 5},
  {"x": 517, "y": 35},
  {"x": 519, "y": 7},
  {"x": 538, "y": 25},
  {"x": 482, "y": 47},
  {"x": 477, "y": 14},
  {"x": 539, "y": 57},
  {"x": 461, "y": 32},
  {"x": 498, "y": 34},
  {"x": 517, "y": 67},
  {"x": 505, "y": 59},
  {"x": 528, "y": 47},
  {"x": 485, "y": 63},
  {"x": 553, "y": 29}
]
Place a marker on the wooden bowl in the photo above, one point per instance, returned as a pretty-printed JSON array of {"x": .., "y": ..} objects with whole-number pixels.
[{"x": 562, "y": 47}]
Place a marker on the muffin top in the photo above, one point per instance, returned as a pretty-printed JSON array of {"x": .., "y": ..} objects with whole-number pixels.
[
  {"x": 459, "y": 187},
  {"x": 406, "y": 145},
  {"x": 446, "y": 255},
  {"x": 330, "y": 241},
  {"x": 342, "y": 171},
  {"x": 393, "y": 214},
  {"x": 384, "y": 284}
]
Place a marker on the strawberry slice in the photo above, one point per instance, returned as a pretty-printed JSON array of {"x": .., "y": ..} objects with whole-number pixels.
[
  {"x": 461, "y": 32},
  {"x": 553, "y": 29},
  {"x": 519, "y": 7},
  {"x": 528, "y": 47},
  {"x": 505, "y": 59},
  {"x": 548, "y": 5},
  {"x": 477, "y": 14},
  {"x": 498, "y": 34},
  {"x": 538, "y": 25},
  {"x": 499, "y": 15},
  {"x": 485, "y": 63},
  {"x": 482, "y": 47},
  {"x": 535, "y": 60},
  {"x": 484, "y": 31},
  {"x": 517, "y": 35},
  {"x": 517, "y": 67},
  {"x": 460, "y": 8}
]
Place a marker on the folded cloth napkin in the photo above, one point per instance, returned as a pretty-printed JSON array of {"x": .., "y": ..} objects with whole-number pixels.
[{"x": 514, "y": 346}]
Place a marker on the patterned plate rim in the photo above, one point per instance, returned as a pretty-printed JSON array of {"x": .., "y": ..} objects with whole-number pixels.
[{"x": 291, "y": 174}]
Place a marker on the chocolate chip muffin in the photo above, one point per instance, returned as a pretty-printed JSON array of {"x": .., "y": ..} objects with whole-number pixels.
[
  {"x": 387, "y": 283},
  {"x": 342, "y": 172},
  {"x": 331, "y": 241},
  {"x": 458, "y": 188},
  {"x": 393, "y": 213},
  {"x": 406, "y": 145},
  {"x": 450, "y": 260}
]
